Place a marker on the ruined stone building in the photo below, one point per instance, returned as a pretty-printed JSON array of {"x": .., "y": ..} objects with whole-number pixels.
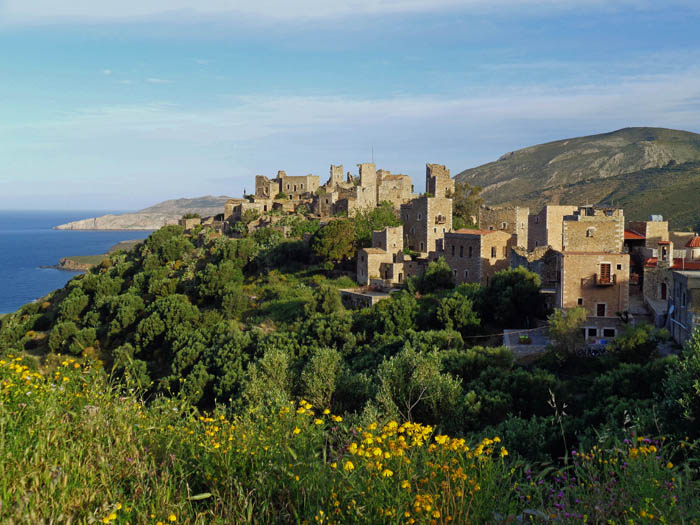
[
  {"x": 510, "y": 219},
  {"x": 545, "y": 227},
  {"x": 427, "y": 218},
  {"x": 475, "y": 255},
  {"x": 368, "y": 190}
]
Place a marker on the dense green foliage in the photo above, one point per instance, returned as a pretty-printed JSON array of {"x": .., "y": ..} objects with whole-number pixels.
[{"x": 256, "y": 322}]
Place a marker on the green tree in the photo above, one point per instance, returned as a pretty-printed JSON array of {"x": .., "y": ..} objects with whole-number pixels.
[
  {"x": 325, "y": 300},
  {"x": 565, "y": 329},
  {"x": 638, "y": 342},
  {"x": 321, "y": 375},
  {"x": 438, "y": 276},
  {"x": 682, "y": 388},
  {"x": 513, "y": 298},
  {"x": 456, "y": 312},
  {"x": 371, "y": 219},
  {"x": 191, "y": 216},
  {"x": 412, "y": 387},
  {"x": 269, "y": 381},
  {"x": 335, "y": 242},
  {"x": 466, "y": 200}
]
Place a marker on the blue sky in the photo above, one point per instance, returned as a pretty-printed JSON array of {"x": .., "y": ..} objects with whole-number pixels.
[{"x": 119, "y": 105}]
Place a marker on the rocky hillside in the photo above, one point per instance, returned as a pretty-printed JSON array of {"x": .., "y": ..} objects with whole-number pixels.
[
  {"x": 152, "y": 218},
  {"x": 647, "y": 170}
]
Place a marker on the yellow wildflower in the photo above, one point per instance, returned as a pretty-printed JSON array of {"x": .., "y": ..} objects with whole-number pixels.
[
  {"x": 296, "y": 430},
  {"x": 387, "y": 473},
  {"x": 172, "y": 517},
  {"x": 669, "y": 465},
  {"x": 349, "y": 466},
  {"x": 318, "y": 421}
]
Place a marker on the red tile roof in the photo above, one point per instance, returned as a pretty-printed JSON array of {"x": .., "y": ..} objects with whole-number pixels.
[
  {"x": 631, "y": 235},
  {"x": 678, "y": 264},
  {"x": 694, "y": 242}
]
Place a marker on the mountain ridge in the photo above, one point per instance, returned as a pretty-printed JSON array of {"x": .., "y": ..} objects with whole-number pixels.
[{"x": 626, "y": 166}]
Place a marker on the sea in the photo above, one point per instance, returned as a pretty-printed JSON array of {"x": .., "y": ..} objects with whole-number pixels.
[{"x": 28, "y": 242}]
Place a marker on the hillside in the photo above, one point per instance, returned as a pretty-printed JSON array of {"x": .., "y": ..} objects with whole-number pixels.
[
  {"x": 203, "y": 379},
  {"x": 153, "y": 217},
  {"x": 601, "y": 168}
]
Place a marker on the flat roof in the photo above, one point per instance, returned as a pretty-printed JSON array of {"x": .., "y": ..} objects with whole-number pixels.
[{"x": 631, "y": 235}]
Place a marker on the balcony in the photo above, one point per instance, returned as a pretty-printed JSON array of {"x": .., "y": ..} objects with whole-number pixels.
[{"x": 604, "y": 280}]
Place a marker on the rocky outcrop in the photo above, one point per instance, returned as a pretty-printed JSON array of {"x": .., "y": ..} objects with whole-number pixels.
[
  {"x": 67, "y": 263},
  {"x": 152, "y": 218}
]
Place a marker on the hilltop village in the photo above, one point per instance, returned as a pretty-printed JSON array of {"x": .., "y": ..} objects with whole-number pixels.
[{"x": 586, "y": 256}]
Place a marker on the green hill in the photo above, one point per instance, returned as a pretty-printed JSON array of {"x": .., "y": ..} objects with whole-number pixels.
[{"x": 646, "y": 170}]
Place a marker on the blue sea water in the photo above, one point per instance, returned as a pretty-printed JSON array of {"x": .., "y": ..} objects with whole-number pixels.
[{"x": 27, "y": 242}]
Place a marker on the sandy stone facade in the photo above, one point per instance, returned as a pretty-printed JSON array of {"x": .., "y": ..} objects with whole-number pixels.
[
  {"x": 685, "y": 316},
  {"x": 475, "y": 255},
  {"x": 593, "y": 228},
  {"x": 545, "y": 228},
  {"x": 599, "y": 282},
  {"x": 511, "y": 219}
]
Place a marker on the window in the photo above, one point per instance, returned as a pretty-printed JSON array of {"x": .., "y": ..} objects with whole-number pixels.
[
  {"x": 295, "y": 187},
  {"x": 537, "y": 219},
  {"x": 301, "y": 186},
  {"x": 600, "y": 309},
  {"x": 580, "y": 301},
  {"x": 592, "y": 332},
  {"x": 287, "y": 186},
  {"x": 619, "y": 267},
  {"x": 454, "y": 272},
  {"x": 608, "y": 332},
  {"x": 605, "y": 273},
  {"x": 470, "y": 251},
  {"x": 419, "y": 216},
  {"x": 664, "y": 291},
  {"x": 493, "y": 252},
  {"x": 327, "y": 201},
  {"x": 504, "y": 225},
  {"x": 434, "y": 230},
  {"x": 537, "y": 243},
  {"x": 590, "y": 232},
  {"x": 461, "y": 251},
  {"x": 422, "y": 246},
  {"x": 453, "y": 250},
  {"x": 362, "y": 258},
  {"x": 466, "y": 274},
  {"x": 490, "y": 227}
]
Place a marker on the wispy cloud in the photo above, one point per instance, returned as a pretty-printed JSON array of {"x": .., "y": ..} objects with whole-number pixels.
[
  {"x": 154, "y": 80},
  {"x": 107, "y": 72},
  {"x": 109, "y": 10}
]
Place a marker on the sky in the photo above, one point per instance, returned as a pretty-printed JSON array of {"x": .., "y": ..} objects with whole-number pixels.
[{"x": 118, "y": 105}]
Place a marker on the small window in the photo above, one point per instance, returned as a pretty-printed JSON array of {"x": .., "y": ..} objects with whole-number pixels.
[
  {"x": 301, "y": 186},
  {"x": 592, "y": 332},
  {"x": 419, "y": 216},
  {"x": 490, "y": 227},
  {"x": 295, "y": 187},
  {"x": 619, "y": 267},
  {"x": 537, "y": 219},
  {"x": 504, "y": 225},
  {"x": 600, "y": 309},
  {"x": 461, "y": 251},
  {"x": 327, "y": 201},
  {"x": 493, "y": 252},
  {"x": 590, "y": 232},
  {"x": 362, "y": 258},
  {"x": 470, "y": 251},
  {"x": 608, "y": 332},
  {"x": 453, "y": 250},
  {"x": 580, "y": 301},
  {"x": 454, "y": 272},
  {"x": 537, "y": 243},
  {"x": 422, "y": 246},
  {"x": 434, "y": 230},
  {"x": 466, "y": 274}
]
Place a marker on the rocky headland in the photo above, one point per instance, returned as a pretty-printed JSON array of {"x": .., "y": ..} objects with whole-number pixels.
[{"x": 152, "y": 218}]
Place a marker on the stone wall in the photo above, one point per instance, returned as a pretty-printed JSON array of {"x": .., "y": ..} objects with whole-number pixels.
[
  {"x": 296, "y": 187},
  {"x": 438, "y": 182},
  {"x": 475, "y": 255},
  {"x": 389, "y": 239},
  {"x": 582, "y": 284},
  {"x": 593, "y": 229},
  {"x": 653, "y": 231},
  {"x": 513, "y": 220},
  {"x": 545, "y": 228},
  {"x": 426, "y": 220},
  {"x": 686, "y": 302}
]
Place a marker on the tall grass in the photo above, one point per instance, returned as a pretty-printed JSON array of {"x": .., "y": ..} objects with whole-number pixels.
[{"x": 75, "y": 449}]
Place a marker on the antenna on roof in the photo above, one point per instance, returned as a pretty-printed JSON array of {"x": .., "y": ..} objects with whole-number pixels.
[{"x": 373, "y": 154}]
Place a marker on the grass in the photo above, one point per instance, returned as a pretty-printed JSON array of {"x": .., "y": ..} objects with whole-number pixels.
[{"x": 78, "y": 449}]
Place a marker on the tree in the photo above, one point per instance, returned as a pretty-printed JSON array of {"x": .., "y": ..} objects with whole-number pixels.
[
  {"x": 321, "y": 375},
  {"x": 565, "y": 328},
  {"x": 412, "y": 387},
  {"x": 249, "y": 216},
  {"x": 325, "y": 300},
  {"x": 638, "y": 342},
  {"x": 683, "y": 386},
  {"x": 371, "y": 219},
  {"x": 438, "y": 276},
  {"x": 335, "y": 242},
  {"x": 466, "y": 200},
  {"x": 456, "y": 312},
  {"x": 191, "y": 216},
  {"x": 513, "y": 298}
]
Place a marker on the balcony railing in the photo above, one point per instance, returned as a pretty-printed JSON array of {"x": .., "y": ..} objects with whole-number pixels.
[{"x": 605, "y": 281}]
